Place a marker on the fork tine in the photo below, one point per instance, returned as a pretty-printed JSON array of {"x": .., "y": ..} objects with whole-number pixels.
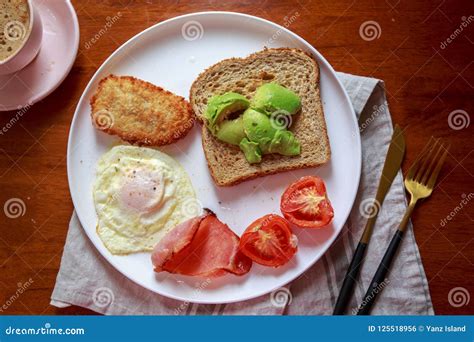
[
  {"x": 435, "y": 173},
  {"x": 432, "y": 161},
  {"x": 416, "y": 164},
  {"x": 428, "y": 156}
]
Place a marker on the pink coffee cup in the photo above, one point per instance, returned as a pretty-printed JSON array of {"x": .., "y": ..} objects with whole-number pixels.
[{"x": 30, "y": 47}]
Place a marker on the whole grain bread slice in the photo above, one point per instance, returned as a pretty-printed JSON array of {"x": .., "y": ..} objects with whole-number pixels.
[{"x": 291, "y": 68}]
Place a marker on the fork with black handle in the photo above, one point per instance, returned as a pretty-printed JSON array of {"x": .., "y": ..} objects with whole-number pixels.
[{"x": 419, "y": 183}]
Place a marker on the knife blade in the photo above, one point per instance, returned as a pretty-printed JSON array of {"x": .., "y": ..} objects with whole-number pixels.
[{"x": 392, "y": 164}]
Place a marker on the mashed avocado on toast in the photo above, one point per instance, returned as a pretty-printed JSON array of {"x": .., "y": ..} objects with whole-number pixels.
[
  {"x": 257, "y": 130},
  {"x": 291, "y": 68}
]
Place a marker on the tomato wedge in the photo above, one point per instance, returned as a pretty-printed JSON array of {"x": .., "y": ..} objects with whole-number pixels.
[
  {"x": 269, "y": 241},
  {"x": 305, "y": 203}
]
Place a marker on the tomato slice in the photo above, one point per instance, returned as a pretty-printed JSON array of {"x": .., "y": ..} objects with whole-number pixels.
[
  {"x": 305, "y": 203},
  {"x": 269, "y": 241}
]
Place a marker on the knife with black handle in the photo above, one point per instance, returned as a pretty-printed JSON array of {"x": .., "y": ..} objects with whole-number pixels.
[{"x": 392, "y": 164}]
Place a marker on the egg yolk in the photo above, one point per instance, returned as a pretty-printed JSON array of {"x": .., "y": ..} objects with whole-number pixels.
[{"x": 143, "y": 191}]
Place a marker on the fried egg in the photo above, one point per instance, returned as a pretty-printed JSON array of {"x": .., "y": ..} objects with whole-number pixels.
[{"x": 140, "y": 194}]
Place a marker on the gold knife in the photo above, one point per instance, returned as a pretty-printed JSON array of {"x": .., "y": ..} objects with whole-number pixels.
[{"x": 392, "y": 164}]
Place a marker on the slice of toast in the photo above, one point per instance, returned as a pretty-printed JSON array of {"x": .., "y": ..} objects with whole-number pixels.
[
  {"x": 140, "y": 112},
  {"x": 291, "y": 68}
]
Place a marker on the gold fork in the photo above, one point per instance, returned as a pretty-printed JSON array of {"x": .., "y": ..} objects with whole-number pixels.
[{"x": 419, "y": 182}]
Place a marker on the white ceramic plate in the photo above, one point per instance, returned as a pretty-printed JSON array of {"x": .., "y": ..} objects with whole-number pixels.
[{"x": 172, "y": 54}]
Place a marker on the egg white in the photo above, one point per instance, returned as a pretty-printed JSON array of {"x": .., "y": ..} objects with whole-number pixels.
[{"x": 124, "y": 230}]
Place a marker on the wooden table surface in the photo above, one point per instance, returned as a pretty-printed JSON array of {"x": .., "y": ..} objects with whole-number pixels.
[{"x": 430, "y": 92}]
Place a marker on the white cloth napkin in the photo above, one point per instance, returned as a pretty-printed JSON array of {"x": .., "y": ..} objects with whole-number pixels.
[{"x": 86, "y": 279}]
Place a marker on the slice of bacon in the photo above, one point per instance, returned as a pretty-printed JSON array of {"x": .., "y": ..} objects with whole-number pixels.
[{"x": 201, "y": 246}]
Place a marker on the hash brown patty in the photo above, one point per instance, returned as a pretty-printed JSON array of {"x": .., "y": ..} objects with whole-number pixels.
[{"x": 139, "y": 112}]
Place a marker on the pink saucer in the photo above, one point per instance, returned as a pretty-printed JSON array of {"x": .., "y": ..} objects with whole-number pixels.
[{"x": 54, "y": 61}]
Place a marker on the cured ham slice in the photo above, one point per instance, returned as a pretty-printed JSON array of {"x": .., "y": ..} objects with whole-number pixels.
[{"x": 201, "y": 246}]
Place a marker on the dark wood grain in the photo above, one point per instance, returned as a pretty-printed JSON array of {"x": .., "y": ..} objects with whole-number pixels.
[{"x": 424, "y": 82}]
